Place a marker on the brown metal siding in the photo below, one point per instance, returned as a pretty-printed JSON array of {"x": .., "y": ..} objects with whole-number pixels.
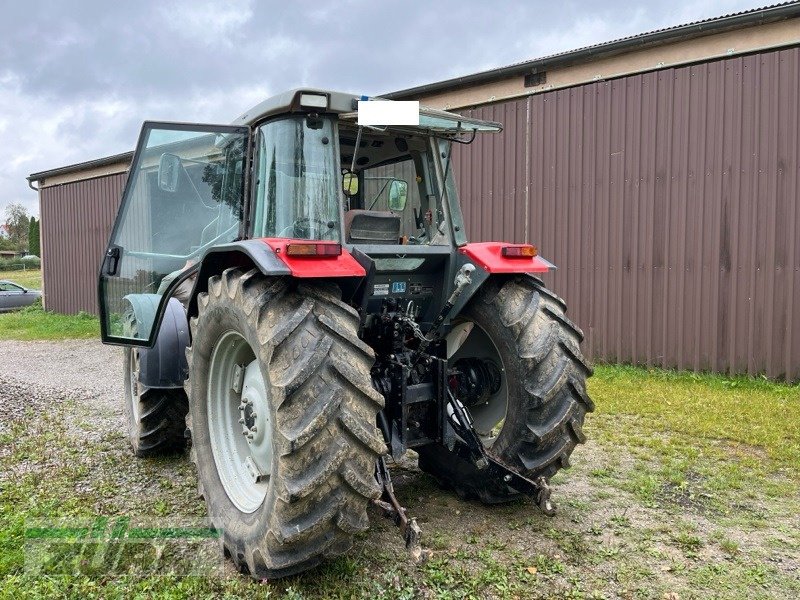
[
  {"x": 668, "y": 200},
  {"x": 76, "y": 222}
]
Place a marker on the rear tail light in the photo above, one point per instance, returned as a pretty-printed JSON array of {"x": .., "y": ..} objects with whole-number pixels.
[
  {"x": 520, "y": 251},
  {"x": 313, "y": 249}
]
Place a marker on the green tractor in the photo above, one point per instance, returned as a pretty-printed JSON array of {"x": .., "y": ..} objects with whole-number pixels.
[{"x": 299, "y": 302}]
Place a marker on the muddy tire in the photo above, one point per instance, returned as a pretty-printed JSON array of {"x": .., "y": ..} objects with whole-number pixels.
[
  {"x": 545, "y": 377},
  {"x": 155, "y": 418},
  {"x": 315, "y": 467}
]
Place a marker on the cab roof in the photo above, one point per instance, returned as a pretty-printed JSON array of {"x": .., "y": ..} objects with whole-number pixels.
[{"x": 346, "y": 105}]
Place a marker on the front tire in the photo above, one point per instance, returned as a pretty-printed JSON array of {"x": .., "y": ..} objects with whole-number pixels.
[
  {"x": 155, "y": 418},
  {"x": 544, "y": 398},
  {"x": 316, "y": 469}
]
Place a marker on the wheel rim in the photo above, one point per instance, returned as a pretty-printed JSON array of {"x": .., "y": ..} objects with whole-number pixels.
[
  {"x": 467, "y": 339},
  {"x": 239, "y": 425},
  {"x": 133, "y": 397}
]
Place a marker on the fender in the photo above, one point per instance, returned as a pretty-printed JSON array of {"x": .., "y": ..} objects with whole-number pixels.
[
  {"x": 489, "y": 257},
  {"x": 490, "y": 262},
  {"x": 245, "y": 253},
  {"x": 268, "y": 255},
  {"x": 164, "y": 365}
]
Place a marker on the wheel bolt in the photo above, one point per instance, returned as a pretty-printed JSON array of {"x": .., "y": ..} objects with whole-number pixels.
[
  {"x": 242, "y": 406},
  {"x": 241, "y": 420},
  {"x": 254, "y": 429}
]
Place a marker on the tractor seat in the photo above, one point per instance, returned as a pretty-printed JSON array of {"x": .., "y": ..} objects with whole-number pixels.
[{"x": 371, "y": 227}]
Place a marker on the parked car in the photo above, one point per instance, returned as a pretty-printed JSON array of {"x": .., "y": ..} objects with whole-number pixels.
[{"x": 13, "y": 296}]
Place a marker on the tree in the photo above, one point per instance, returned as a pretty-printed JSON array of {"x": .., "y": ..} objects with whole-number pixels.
[
  {"x": 33, "y": 237},
  {"x": 16, "y": 225}
]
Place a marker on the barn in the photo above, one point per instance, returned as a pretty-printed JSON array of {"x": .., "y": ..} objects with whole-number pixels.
[{"x": 660, "y": 172}]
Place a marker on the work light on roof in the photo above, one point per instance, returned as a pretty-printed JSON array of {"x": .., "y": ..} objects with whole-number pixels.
[{"x": 313, "y": 101}]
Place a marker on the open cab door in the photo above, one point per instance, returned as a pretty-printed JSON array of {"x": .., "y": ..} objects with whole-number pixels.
[{"x": 184, "y": 194}]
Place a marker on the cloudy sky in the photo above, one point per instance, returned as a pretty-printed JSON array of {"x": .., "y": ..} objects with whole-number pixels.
[{"x": 77, "y": 78}]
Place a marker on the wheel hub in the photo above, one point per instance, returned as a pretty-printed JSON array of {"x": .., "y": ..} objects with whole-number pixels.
[
  {"x": 485, "y": 390},
  {"x": 239, "y": 424}
]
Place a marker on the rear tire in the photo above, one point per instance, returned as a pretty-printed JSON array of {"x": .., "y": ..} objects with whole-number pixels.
[
  {"x": 317, "y": 469},
  {"x": 155, "y": 418},
  {"x": 545, "y": 375}
]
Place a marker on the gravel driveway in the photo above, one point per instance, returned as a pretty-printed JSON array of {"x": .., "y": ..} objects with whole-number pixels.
[{"x": 80, "y": 369}]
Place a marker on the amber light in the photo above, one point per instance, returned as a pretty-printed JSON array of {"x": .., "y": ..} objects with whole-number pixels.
[
  {"x": 314, "y": 249},
  {"x": 526, "y": 251}
]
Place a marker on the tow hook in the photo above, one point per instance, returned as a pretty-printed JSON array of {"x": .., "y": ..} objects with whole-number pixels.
[
  {"x": 543, "y": 497},
  {"x": 391, "y": 508}
]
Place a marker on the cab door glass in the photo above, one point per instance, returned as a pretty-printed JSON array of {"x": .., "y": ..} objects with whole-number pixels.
[{"x": 184, "y": 195}]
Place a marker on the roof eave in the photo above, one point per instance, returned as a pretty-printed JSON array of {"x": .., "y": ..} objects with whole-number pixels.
[
  {"x": 89, "y": 164},
  {"x": 688, "y": 31}
]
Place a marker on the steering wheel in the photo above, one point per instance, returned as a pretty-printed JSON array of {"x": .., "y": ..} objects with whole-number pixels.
[{"x": 301, "y": 228}]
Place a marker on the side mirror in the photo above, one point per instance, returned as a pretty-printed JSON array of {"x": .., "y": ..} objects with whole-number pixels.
[
  {"x": 349, "y": 184},
  {"x": 398, "y": 195},
  {"x": 168, "y": 171}
]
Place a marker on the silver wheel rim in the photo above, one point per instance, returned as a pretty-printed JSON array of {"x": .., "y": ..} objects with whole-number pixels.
[
  {"x": 134, "y": 385},
  {"x": 239, "y": 425},
  {"x": 467, "y": 339}
]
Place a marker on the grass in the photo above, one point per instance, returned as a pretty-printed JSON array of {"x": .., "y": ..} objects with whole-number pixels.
[
  {"x": 671, "y": 498},
  {"x": 30, "y": 278},
  {"x": 753, "y": 415},
  {"x": 34, "y": 323}
]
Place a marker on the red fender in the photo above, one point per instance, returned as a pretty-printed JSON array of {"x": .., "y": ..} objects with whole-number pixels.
[
  {"x": 316, "y": 266},
  {"x": 489, "y": 257}
]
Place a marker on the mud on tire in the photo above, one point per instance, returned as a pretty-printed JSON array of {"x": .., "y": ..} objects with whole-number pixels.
[
  {"x": 546, "y": 378},
  {"x": 322, "y": 412}
]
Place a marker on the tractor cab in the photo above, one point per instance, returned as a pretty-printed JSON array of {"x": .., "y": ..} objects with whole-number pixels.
[{"x": 297, "y": 166}]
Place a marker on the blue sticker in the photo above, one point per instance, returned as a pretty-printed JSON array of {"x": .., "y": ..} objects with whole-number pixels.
[{"x": 399, "y": 287}]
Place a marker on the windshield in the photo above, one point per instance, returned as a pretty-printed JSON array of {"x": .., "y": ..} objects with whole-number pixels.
[
  {"x": 398, "y": 200},
  {"x": 297, "y": 185}
]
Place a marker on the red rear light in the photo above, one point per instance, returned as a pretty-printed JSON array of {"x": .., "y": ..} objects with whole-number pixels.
[
  {"x": 313, "y": 249},
  {"x": 520, "y": 251}
]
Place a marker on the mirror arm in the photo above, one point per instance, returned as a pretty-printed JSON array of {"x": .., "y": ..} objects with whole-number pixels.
[{"x": 355, "y": 150}]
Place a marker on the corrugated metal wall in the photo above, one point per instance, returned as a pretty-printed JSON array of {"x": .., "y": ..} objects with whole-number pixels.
[
  {"x": 668, "y": 200},
  {"x": 76, "y": 222}
]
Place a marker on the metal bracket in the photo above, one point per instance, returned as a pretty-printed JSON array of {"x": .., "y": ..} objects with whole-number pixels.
[{"x": 391, "y": 509}]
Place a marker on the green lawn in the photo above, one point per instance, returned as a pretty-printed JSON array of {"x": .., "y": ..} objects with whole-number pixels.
[
  {"x": 30, "y": 278},
  {"x": 742, "y": 411},
  {"x": 33, "y": 323}
]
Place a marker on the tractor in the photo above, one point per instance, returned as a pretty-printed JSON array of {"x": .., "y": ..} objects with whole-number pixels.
[{"x": 299, "y": 305}]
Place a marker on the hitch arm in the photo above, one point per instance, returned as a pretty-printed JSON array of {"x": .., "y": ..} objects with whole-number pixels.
[
  {"x": 539, "y": 489},
  {"x": 391, "y": 508}
]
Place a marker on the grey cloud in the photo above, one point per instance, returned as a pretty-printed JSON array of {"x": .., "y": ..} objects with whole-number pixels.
[{"x": 80, "y": 77}]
